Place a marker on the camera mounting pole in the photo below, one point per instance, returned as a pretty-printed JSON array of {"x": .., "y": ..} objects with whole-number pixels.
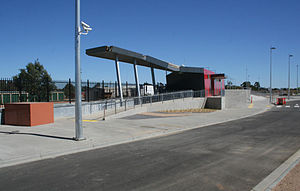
[{"x": 78, "y": 107}]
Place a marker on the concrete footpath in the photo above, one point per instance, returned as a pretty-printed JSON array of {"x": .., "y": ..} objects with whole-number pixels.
[{"x": 24, "y": 144}]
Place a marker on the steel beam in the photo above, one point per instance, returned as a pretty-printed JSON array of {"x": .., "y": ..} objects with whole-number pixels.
[
  {"x": 153, "y": 80},
  {"x": 136, "y": 76},
  {"x": 119, "y": 79}
]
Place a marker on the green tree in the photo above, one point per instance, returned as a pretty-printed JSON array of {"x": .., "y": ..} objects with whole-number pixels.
[
  {"x": 69, "y": 90},
  {"x": 35, "y": 80},
  {"x": 229, "y": 84},
  {"x": 256, "y": 86},
  {"x": 246, "y": 84}
]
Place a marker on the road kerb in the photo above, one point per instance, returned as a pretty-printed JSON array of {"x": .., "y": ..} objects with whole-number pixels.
[
  {"x": 278, "y": 174},
  {"x": 93, "y": 146}
]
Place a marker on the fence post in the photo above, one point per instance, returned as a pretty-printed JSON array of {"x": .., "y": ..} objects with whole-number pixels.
[
  {"x": 116, "y": 91},
  {"x": 88, "y": 91},
  {"x": 70, "y": 91},
  {"x": 125, "y": 104},
  {"x": 115, "y": 107},
  {"x": 47, "y": 90},
  {"x": 109, "y": 87},
  {"x": 105, "y": 107},
  {"x": 151, "y": 100},
  {"x": 20, "y": 89},
  {"x": 103, "y": 92},
  {"x": 126, "y": 89}
]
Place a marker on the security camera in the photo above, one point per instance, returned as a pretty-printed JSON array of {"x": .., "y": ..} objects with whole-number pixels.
[
  {"x": 84, "y": 24},
  {"x": 85, "y": 27}
]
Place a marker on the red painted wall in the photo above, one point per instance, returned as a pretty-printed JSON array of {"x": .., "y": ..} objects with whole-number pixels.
[
  {"x": 214, "y": 88},
  {"x": 207, "y": 82}
]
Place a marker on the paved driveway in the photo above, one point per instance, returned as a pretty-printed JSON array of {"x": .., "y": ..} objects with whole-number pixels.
[{"x": 229, "y": 156}]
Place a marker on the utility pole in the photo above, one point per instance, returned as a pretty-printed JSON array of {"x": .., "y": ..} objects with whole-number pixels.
[
  {"x": 297, "y": 79},
  {"x": 272, "y": 48},
  {"x": 78, "y": 110},
  {"x": 289, "y": 76},
  {"x": 246, "y": 73},
  {"x": 78, "y": 32}
]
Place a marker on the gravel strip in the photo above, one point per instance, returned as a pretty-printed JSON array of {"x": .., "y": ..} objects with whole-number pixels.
[{"x": 291, "y": 182}]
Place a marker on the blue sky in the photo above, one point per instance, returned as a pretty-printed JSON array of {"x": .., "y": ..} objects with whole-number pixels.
[{"x": 225, "y": 35}]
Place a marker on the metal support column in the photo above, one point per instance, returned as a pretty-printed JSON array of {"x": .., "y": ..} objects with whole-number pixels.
[
  {"x": 153, "y": 79},
  {"x": 88, "y": 91},
  {"x": 70, "y": 101},
  {"x": 137, "y": 84},
  {"x": 119, "y": 79},
  {"x": 78, "y": 111}
]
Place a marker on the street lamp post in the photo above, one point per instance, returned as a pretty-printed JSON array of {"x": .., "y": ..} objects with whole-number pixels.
[
  {"x": 78, "y": 32},
  {"x": 272, "y": 48},
  {"x": 289, "y": 77},
  {"x": 78, "y": 110},
  {"x": 297, "y": 79}
]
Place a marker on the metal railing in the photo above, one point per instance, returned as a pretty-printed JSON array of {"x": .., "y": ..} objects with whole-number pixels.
[{"x": 114, "y": 106}]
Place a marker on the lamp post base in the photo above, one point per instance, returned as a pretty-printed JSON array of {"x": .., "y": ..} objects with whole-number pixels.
[{"x": 79, "y": 139}]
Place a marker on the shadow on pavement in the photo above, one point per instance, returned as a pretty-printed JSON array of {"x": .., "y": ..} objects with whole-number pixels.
[{"x": 36, "y": 134}]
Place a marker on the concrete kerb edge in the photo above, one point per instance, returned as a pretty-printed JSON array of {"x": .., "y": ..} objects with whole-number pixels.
[
  {"x": 268, "y": 183},
  {"x": 23, "y": 160},
  {"x": 294, "y": 99}
]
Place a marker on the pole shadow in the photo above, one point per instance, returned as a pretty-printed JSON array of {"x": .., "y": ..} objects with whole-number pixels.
[{"x": 36, "y": 134}]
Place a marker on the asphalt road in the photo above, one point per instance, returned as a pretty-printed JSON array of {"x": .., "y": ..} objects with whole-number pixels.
[{"x": 235, "y": 155}]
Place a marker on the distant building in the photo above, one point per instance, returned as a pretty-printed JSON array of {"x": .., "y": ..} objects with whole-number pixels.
[
  {"x": 194, "y": 78},
  {"x": 147, "y": 89}
]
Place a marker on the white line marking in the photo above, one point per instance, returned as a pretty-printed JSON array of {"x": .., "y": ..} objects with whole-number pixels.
[
  {"x": 296, "y": 106},
  {"x": 279, "y": 106},
  {"x": 287, "y": 106}
]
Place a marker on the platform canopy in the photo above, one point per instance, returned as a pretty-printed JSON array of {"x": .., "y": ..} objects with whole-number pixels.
[
  {"x": 111, "y": 52},
  {"x": 218, "y": 76}
]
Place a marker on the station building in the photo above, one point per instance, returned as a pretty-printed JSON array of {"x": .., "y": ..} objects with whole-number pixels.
[
  {"x": 194, "y": 78},
  {"x": 180, "y": 77}
]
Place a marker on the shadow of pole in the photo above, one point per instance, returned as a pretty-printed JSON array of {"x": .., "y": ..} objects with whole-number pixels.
[{"x": 36, "y": 134}]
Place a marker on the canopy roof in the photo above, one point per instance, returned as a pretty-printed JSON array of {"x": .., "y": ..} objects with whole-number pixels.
[
  {"x": 218, "y": 76},
  {"x": 111, "y": 52}
]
